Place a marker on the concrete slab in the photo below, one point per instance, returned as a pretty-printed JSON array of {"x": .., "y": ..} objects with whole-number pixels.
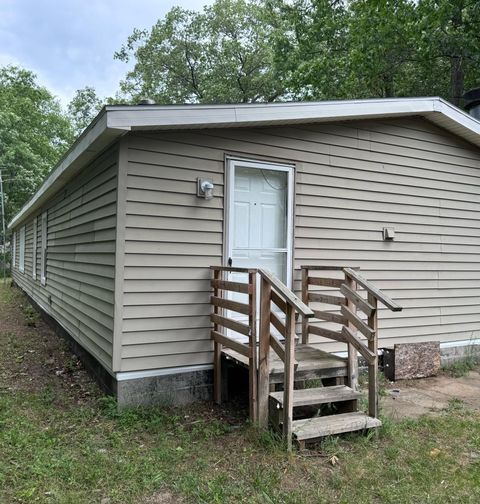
[{"x": 414, "y": 398}]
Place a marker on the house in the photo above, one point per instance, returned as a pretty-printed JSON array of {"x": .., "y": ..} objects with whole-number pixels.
[{"x": 117, "y": 244}]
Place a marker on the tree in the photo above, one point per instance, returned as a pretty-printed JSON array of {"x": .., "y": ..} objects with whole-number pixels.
[
  {"x": 310, "y": 45},
  {"x": 449, "y": 46},
  {"x": 355, "y": 49},
  {"x": 378, "y": 48},
  {"x": 382, "y": 48},
  {"x": 219, "y": 55},
  {"x": 34, "y": 133},
  {"x": 83, "y": 108}
]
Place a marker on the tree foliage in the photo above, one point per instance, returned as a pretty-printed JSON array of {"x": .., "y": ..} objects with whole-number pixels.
[
  {"x": 83, "y": 108},
  {"x": 263, "y": 50},
  {"x": 34, "y": 133},
  {"x": 378, "y": 48},
  {"x": 449, "y": 46},
  {"x": 310, "y": 41},
  {"x": 221, "y": 54}
]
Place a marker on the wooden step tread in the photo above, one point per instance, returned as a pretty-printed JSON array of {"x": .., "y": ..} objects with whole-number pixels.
[
  {"x": 318, "y": 427},
  {"x": 309, "y": 359},
  {"x": 322, "y": 395}
]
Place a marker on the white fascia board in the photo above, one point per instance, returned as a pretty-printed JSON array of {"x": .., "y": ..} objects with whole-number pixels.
[
  {"x": 210, "y": 116},
  {"x": 168, "y": 117},
  {"x": 95, "y": 138},
  {"x": 336, "y": 111},
  {"x": 457, "y": 121}
]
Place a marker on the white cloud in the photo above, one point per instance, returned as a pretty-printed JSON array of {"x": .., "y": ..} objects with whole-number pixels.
[{"x": 70, "y": 44}]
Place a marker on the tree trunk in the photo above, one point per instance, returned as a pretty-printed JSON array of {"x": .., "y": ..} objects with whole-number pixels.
[
  {"x": 457, "y": 75},
  {"x": 388, "y": 86},
  {"x": 457, "y": 78}
]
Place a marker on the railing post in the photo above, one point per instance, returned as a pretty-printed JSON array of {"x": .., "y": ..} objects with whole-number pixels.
[
  {"x": 305, "y": 331},
  {"x": 352, "y": 359},
  {"x": 289, "y": 375},
  {"x": 252, "y": 364},
  {"x": 217, "y": 350},
  {"x": 373, "y": 368},
  {"x": 264, "y": 351}
]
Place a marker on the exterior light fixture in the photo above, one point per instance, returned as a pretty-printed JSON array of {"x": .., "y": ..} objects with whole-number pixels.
[{"x": 205, "y": 188}]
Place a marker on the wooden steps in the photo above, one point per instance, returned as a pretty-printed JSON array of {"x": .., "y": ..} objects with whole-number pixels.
[
  {"x": 312, "y": 363},
  {"x": 311, "y": 429},
  {"x": 322, "y": 395},
  {"x": 269, "y": 348}
]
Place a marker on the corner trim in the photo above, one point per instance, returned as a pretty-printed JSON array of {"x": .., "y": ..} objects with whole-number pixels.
[{"x": 122, "y": 167}]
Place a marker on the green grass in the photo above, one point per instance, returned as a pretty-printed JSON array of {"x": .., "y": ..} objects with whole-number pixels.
[
  {"x": 56, "y": 448},
  {"x": 462, "y": 367},
  {"x": 86, "y": 453}
]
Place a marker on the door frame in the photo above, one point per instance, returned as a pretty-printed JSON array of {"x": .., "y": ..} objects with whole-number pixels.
[{"x": 230, "y": 163}]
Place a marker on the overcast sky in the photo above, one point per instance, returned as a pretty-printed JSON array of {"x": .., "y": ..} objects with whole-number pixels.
[{"x": 70, "y": 44}]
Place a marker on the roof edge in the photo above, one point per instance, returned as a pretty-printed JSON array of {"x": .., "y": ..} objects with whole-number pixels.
[
  {"x": 114, "y": 121},
  {"x": 93, "y": 139}
]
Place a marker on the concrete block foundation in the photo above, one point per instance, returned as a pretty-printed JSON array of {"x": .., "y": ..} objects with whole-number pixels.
[
  {"x": 452, "y": 354},
  {"x": 166, "y": 390}
]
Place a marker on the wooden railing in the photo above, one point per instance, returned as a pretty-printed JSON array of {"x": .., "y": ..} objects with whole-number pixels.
[
  {"x": 279, "y": 308},
  {"x": 346, "y": 314},
  {"x": 221, "y": 323},
  {"x": 272, "y": 291}
]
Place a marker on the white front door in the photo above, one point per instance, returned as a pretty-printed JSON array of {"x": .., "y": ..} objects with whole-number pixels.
[
  {"x": 259, "y": 220},
  {"x": 260, "y": 217}
]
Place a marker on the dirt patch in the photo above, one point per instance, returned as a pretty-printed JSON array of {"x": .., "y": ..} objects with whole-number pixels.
[
  {"x": 34, "y": 358},
  {"x": 163, "y": 498},
  {"x": 414, "y": 398}
]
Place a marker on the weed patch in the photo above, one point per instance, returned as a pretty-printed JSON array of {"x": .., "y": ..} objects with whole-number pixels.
[{"x": 462, "y": 367}]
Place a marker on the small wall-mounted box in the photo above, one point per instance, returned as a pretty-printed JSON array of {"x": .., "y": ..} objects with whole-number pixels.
[{"x": 389, "y": 233}]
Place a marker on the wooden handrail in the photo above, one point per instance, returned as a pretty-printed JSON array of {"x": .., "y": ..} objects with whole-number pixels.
[
  {"x": 221, "y": 323},
  {"x": 233, "y": 270},
  {"x": 328, "y": 268},
  {"x": 357, "y": 300},
  {"x": 377, "y": 293},
  {"x": 352, "y": 323},
  {"x": 352, "y": 338},
  {"x": 230, "y": 286},
  {"x": 286, "y": 294},
  {"x": 274, "y": 291}
]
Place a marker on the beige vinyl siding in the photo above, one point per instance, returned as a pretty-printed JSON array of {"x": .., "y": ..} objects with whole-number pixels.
[
  {"x": 16, "y": 249},
  {"x": 29, "y": 248},
  {"x": 171, "y": 239},
  {"x": 81, "y": 232},
  {"x": 352, "y": 179}
]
